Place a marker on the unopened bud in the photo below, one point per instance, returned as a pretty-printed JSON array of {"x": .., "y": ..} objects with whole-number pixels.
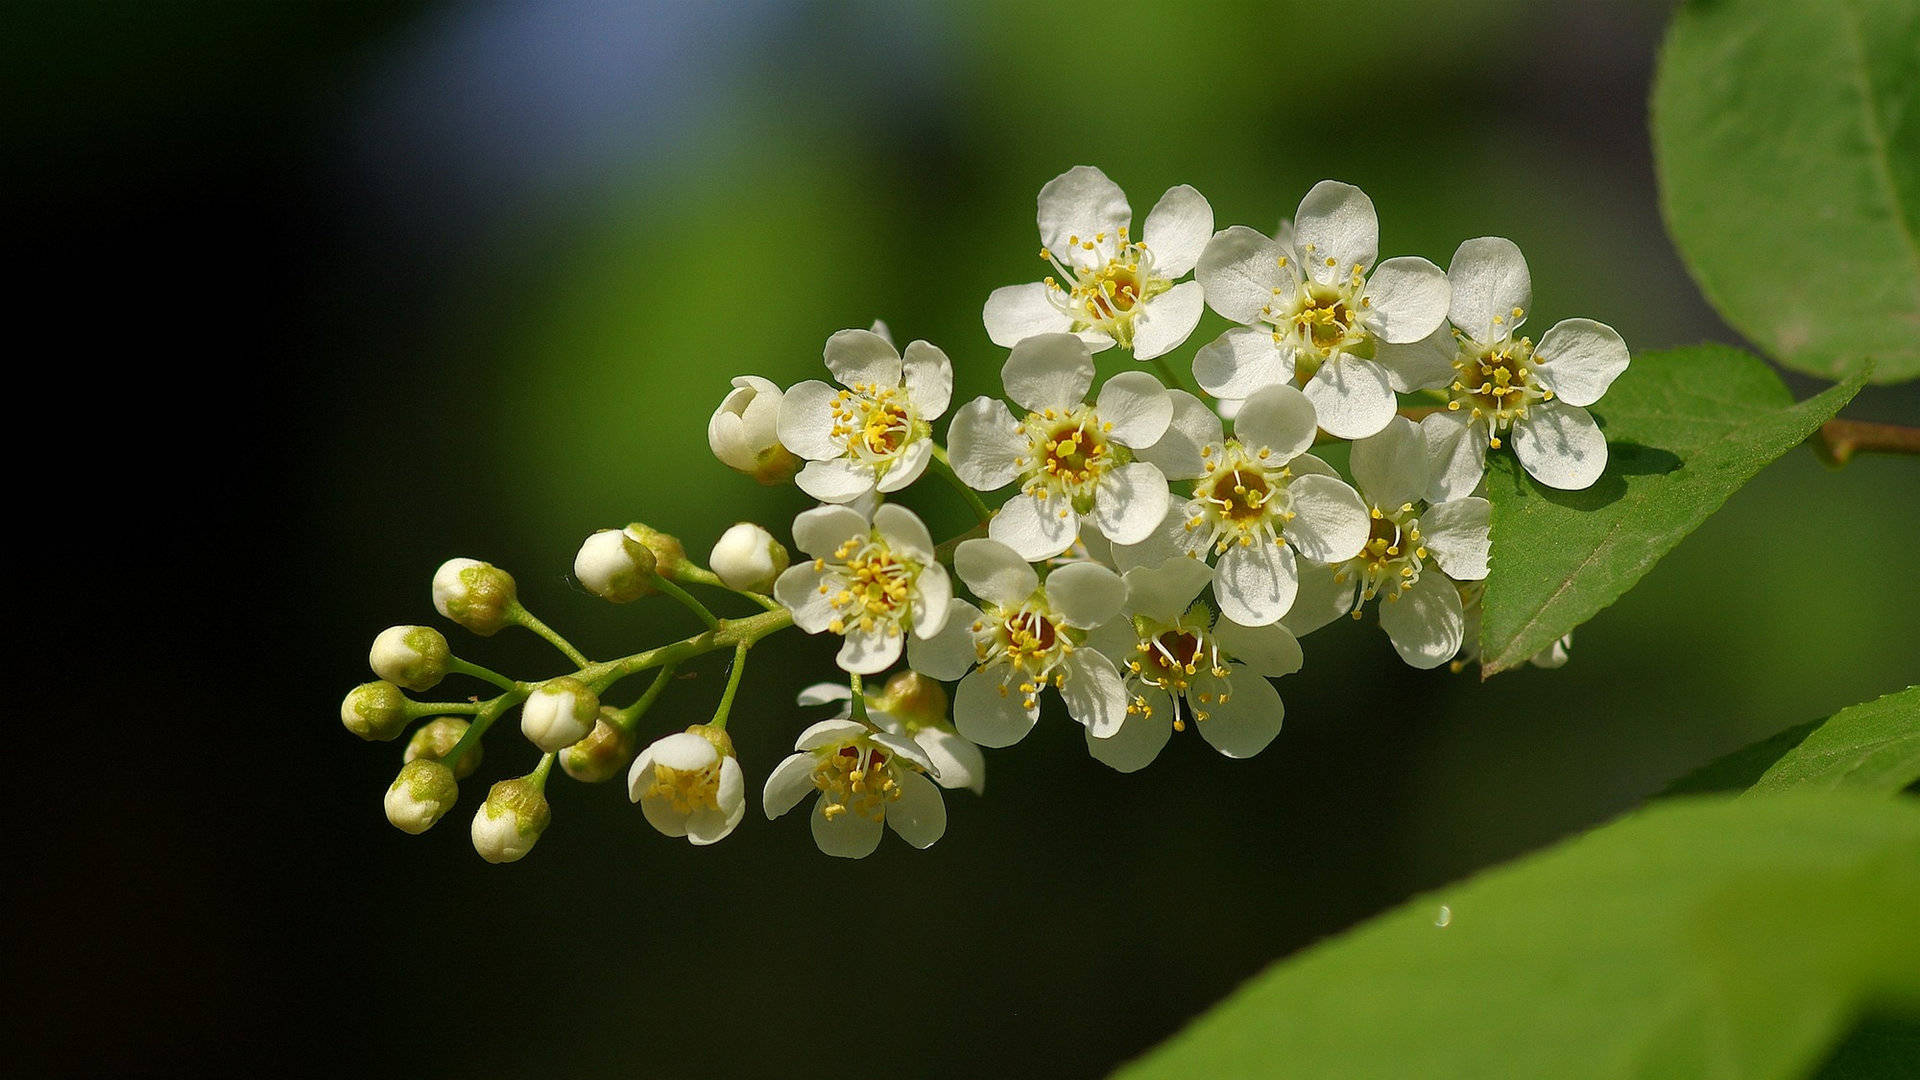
[
  {"x": 508, "y": 824},
  {"x": 914, "y": 700},
  {"x": 375, "y": 711},
  {"x": 559, "y": 713},
  {"x": 744, "y": 432},
  {"x": 411, "y": 656},
  {"x": 748, "y": 557},
  {"x": 603, "y": 754},
  {"x": 615, "y": 566},
  {"x": 669, "y": 554},
  {"x": 423, "y": 791},
  {"x": 477, "y": 595},
  {"x": 436, "y": 738}
]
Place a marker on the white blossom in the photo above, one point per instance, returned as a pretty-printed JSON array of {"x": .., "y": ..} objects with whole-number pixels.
[
  {"x": 744, "y": 432},
  {"x": 871, "y": 581},
  {"x": 875, "y": 434},
  {"x": 690, "y": 784},
  {"x": 1107, "y": 287},
  {"x": 957, "y": 763},
  {"x": 867, "y": 780}
]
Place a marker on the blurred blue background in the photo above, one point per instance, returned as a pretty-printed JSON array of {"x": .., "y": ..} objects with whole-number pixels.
[{"x": 342, "y": 290}]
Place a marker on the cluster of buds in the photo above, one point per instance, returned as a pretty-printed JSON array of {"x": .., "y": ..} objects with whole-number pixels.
[{"x": 1147, "y": 564}]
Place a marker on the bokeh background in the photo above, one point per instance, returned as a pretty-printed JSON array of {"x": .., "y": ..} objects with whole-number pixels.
[{"x": 317, "y": 295}]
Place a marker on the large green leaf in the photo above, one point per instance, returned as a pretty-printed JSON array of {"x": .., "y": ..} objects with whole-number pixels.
[
  {"x": 1870, "y": 747},
  {"x": 1685, "y": 428},
  {"x": 1701, "y": 937},
  {"x": 1786, "y": 136}
]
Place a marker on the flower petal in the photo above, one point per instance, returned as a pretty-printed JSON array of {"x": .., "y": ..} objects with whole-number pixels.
[
  {"x": 985, "y": 444},
  {"x": 1177, "y": 230},
  {"x": 1456, "y": 453},
  {"x": 1407, "y": 299},
  {"x": 988, "y": 712},
  {"x": 1015, "y": 313},
  {"x": 1330, "y": 521},
  {"x": 1321, "y": 599},
  {"x": 862, "y": 358},
  {"x": 1578, "y": 359},
  {"x": 907, "y": 466},
  {"x": 1560, "y": 445},
  {"x": 788, "y": 783},
  {"x": 995, "y": 572},
  {"x": 957, "y": 762},
  {"x": 660, "y": 814},
  {"x": 1166, "y": 321},
  {"x": 1490, "y": 280},
  {"x": 847, "y": 835},
  {"x": 710, "y": 825},
  {"x": 825, "y": 693},
  {"x": 904, "y": 531},
  {"x": 1426, "y": 364},
  {"x": 1267, "y": 651},
  {"x": 1080, "y": 203},
  {"x": 1177, "y": 454},
  {"x": 1391, "y": 465},
  {"x": 1085, "y": 594},
  {"x": 828, "y": 732},
  {"x": 1247, "y": 721},
  {"x": 949, "y": 653},
  {"x": 1279, "y": 418},
  {"x": 1140, "y": 737},
  {"x": 1255, "y": 583},
  {"x": 806, "y": 417},
  {"x": 1049, "y": 371},
  {"x": 836, "y": 481},
  {"x": 929, "y": 379},
  {"x": 919, "y": 815},
  {"x": 798, "y": 589},
  {"x": 1239, "y": 269},
  {"x": 1129, "y": 502},
  {"x": 1425, "y": 621},
  {"x": 1034, "y": 527},
  {"x": 1162, "y": 593},
  {"x": 820, "y": 531},
  {"x": 1095, "y": 695},
  {"x": 1240, "y": 361},
  {"x": 1170, "y": 539},
  {"x": 1353, "y": 397},
  {"x": 1457, "y": 533},
  {"x": 1134, "y": 409},
  {"x": 1336, "y": 222}
]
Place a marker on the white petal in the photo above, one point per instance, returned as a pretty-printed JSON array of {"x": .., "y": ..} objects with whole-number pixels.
[
  {"x": 1263, "y": 650},
  {"x": 919, "y": 815},
  {"x": 1135, "y": 408},
  {"x": 870, "y": 652},
  {"x": 1051, "y": 371},
  {"x": 821, "y": 530},
  {"x": 1082, "y": 203},
  {"x": 995, "y": 572},
  {"x": 828, "y": 732},
  {"x": 880, "y": 327},
  {"x": 1309, "y": 465},
  {"x": 1036, "y": 528},
  {"x": 1425, "y": 622},
  {"x": 902, "y": 747},
  {"x": 660, "y": 814},
  {"x": 712, "y": 825},
  {"x": 1239, "y": 362},
  {"x": 932, "y": 600},
  {"x": 836, "y": 481},
  {"x": 798, "y": 590},
  {"x": 1177, "y": 230},
  {"x": 1095, "y": 696},
  {"x": 907, "y": 466},
  {"x": 1456, "y": 533},
  {"x": 948, "y": 654},
  {"x": 1321, "y": 598},
  {"x": 1177, "y": 454},
  {"x": 1255, "y": 584},
  {"x": 958, "y": 763},
  {"x": 929, "y": 379},
  {"x": 1247, "y": 721},
  {"x": 1353, "y": 397},
  {"x": 1490, "y": 279},
  {"x": 1129, "y": 502},
  {"x": 1015, "y": 313},
  {"x": 1408, "y": 298},
  {"x": 1139, "y": 739},
  {"x": 806, "y": 416},
  {"x": 1457, "y": 454},
  {"x": 1170, "y": 539},
  {"x": 684, "y": 751},
  {"x": 862, "y": 357},
  {"x": 847, "y": 835},
  {"x": 825, "y": 693},
  {"x": 1279, "y": 418},
  {"x": 1239, "y": 270},
  {"x": 904, "y": 531},
  {"x": 1426, "y": 364},
  {"x": 1391, "y": 465},
  {"x": 1162, "y": 593},
  {"x": 1336, "y": 221},
  {"x": 1085, "y": 594},
  {"x": 790, "y": 781},
  {"x": 1164, "y": 323},
  {"x": 985, "y": 444},
  {"x": 1560, "y": 445},
  {"x": 1578, "y": 359},
  {"x": 1330, "y": 521},
  {"x": 985, "y": 715}
]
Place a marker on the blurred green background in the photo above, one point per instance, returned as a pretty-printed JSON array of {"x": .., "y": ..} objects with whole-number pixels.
[{"x": 376, "y": 285}]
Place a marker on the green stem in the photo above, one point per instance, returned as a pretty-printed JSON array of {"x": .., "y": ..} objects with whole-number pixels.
[
  {"x": 733, "y": 686},
  {"x": 695, "y": 575},
  {"x": 628, "y": 718},
  {"x": 686, "y": 598},
  {"x": 857, "y": 705},
  {"x": 520, "y": 616},
  {"x": 418, "y": 709},
  {"x": 540, "y": 771},
  {"x": 1840, "y": 439},
  {"x": 455, "y": 664},
  {"x": 944, "y": 467},
  {"x": 488, "y": 712},
  {"x": 1167, "y": 373}
]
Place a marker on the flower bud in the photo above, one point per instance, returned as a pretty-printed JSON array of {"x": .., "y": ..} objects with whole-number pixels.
[
  {"x": 669, "y": 554},
  {"x": 477, "y": 595},
  {"x": 559, "y": 713},
  {"x": 436, "y": 739},
  {"x": 748, "y": 557},
  {"x": 690, "y": 784},
  {"x": 411, "y": 656},
  {"x": 744, "y": 432},
  {"x": 375, "y": 711},
  {"x": 511, "y": 820},
  {"x": 602, "y": 754},
  {"x": 615, "y": 566},
  {"x": 914, "y": 700},
  {"x": 423, "y": 791}
]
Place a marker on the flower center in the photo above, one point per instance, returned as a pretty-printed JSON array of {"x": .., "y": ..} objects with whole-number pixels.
[
  {"x": 1390, "y": 561},
  {"x": 1242, "y": 498},
  {"x": 687, "y": 790},
  {"x": 1067, "y": 454},
  {"x": 1032, "y": 644},
  {"x": 1319, "y": 322},
  {"x": 874, "y": 586},
  {"x": 874, "y": 422},
  {"x": 857, "y": 777},
  {"x": 1171, "y": 659},
  {"x": 1495, "y": 383},
  {"x": 1101, "y": 283}
]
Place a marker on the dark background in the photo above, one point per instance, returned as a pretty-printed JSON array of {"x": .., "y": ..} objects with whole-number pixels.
[{"x": 314, "y": 296}]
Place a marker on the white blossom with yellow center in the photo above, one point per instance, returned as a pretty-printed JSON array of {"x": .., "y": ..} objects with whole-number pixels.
[
  {"x": 1185, "y": 665},
  {"x": 874, "y": 433},
  {"x": 690, "y": 784},
  {"x": 1070, "y": 457},
  {"x": 872, "y": 582},
  {"x": 1107, "y": 286},
  {"x": 1027, "y": 638},
  {"x": 867, "y": 779},
  {"x": 1536, "y": 394},
  {"x": 1316, "y": 313},
  {"x": 1258, "y": 497},
  {"x": 957, "y": 762},
  {"x": 1415, "y": 554}
]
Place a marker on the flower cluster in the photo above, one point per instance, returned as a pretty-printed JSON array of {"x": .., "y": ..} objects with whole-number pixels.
[{"x": 1147, "y": 554}]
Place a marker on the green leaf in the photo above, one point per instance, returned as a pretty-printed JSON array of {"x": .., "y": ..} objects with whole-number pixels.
[
  {"x": 1786, "y": 137},
  {"x": 1869, "y": 747},
  {"x": 1700, "y": 937},
  {"x": 1685, "y": 428}
]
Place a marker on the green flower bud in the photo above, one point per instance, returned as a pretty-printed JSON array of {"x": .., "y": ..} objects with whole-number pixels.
[
  {"x": 477, "y": 595},
  {"x": 423, "y": 791},
  {"x": 669, "y": 554},
  {"x": 411, "y": 656},
  {"x": 436, "y": 739},
  {"x": 914, "y": 700},
  {"x": 603, "y": 754},
  {"x": 615, "y": 567},
  {"x": 510, "y": 822},
  {"x": 375, "y": 711},
  {"x": 559, "y": 713}
]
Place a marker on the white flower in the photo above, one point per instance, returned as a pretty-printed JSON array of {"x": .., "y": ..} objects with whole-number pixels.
[
  {"x": 1413, "y": 556},
  {"x": 748, "y": 557},
  {"x": 690, "y": 784},
  {"x": 1180, "y": 658},
  {"x": 1539, "y": 392},
  {"x": 1257, "y": 499},
  {"x": 559, "y": 713},
  {"x": 1029, "y": 637},
  {"x": 872, "y": 582},
  {"x": 1110, "y": 289},
  {"x": 915, "y": 706},
  {"x": 1311, "y": 314},
  {"x": 1071, "y": 458},
  {"x": 865, "y": 778},
  {"x": 875, "y": 434},
  {"x": 1472, "y": 594},
  {"x": 744, "y": 432}
]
